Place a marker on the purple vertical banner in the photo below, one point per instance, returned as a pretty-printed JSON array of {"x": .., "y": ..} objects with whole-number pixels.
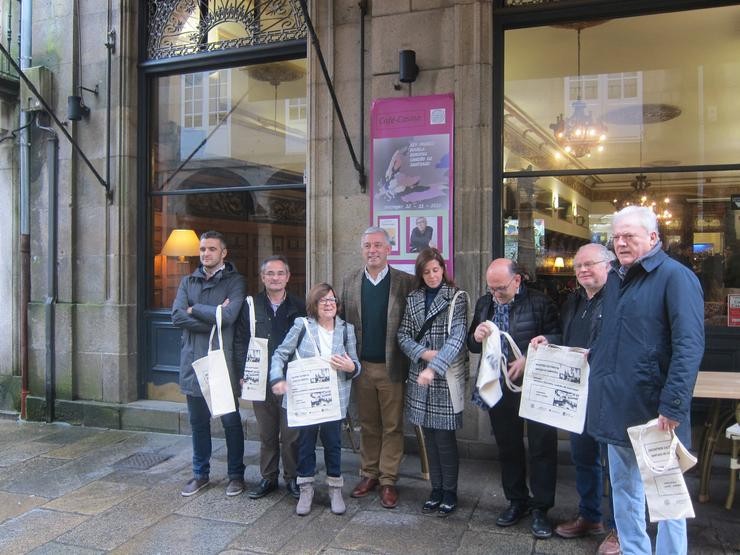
[{"x": 411, "y": 174}]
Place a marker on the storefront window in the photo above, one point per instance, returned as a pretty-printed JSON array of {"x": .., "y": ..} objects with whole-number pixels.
[
  {"x": 229, "y": 153},
  {"x": 634, "y": 114}
]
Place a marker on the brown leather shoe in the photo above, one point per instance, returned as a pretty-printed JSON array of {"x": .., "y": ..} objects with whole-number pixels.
[
  {"x": 610, "y": 546},
  {"x": 578, "y": 528},
  {"x": 388, "y": 496},
  {"x": 364, "y": 487}
]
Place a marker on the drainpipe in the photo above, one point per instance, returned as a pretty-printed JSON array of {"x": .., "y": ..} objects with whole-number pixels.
[
  {"x": 50, "y": 301},
  {"x": 25, "y": 212}
]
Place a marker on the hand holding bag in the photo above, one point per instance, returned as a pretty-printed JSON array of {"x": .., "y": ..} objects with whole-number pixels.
[
  {"x": 662, "y": 460},
  {"x": 254, "y": 380},
  {"x": 213, "y": 375},
  {"x": 313, "y": 389},
  {"x": 493, "y": 365}
]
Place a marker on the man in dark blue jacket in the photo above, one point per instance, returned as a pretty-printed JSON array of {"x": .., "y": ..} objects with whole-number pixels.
[
  {"x": 215, "y": 282},
  {"x": 644, "y": 365},
  {"x": 275, "y": 310},
  {"x": 524, "y": 313},
  {"x": 580, "y": 319}
]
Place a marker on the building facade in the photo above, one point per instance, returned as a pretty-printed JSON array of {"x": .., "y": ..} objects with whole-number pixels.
[{"x": 216, "y": 114}]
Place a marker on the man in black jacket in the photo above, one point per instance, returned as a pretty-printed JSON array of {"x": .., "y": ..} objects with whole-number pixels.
[
  {"x": 580, "y": 318},
  {"x": 524, "y": 313},
  {"x": 215, "y": 282},
  {"x": 275, "y": 310}
]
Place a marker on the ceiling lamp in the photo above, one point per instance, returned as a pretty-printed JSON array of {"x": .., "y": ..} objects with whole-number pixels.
[{"x": 578, "y": 134}]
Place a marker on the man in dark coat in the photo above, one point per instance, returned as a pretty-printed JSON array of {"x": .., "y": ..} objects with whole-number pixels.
[
  {"x": 524, "y": 313},
  {"x": 215, "y": 282},
  {"x": 644, "y": 365},
  {"x": 275, "y": 310},
  {"x": 580, "y": 319}
]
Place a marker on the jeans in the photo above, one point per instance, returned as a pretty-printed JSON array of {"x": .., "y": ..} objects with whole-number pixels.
[
  {"x": 629, "y": 510},
  {"x": 444, "y": 462},
  {"x": 585, "y": 452},
  {"x": 331, "y": 439},
  {"x": 200, "y": 423}
]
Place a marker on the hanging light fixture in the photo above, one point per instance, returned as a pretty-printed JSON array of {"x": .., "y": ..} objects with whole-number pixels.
[
  {"x": 639, "y": 196},
  {"x": 578, "y": 134}
]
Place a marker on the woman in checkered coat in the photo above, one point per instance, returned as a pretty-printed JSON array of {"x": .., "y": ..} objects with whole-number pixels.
[{"x": 424, "y": 338}]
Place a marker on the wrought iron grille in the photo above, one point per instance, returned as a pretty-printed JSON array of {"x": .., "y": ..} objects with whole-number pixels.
[
  {"x": 182, "y": 27},
  {"x": 529, "y": 2}
]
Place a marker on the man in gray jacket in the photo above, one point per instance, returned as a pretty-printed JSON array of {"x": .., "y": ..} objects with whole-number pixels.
[{"x": 215, "y": 282}]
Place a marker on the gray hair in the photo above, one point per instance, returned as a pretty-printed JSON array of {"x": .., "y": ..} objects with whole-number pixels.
[
  {"x": 643, "y": 215},
  {"x": 375, "y": 229},
  {"x": 274, "y": 258},
  {"x": 603, "y": 251}
]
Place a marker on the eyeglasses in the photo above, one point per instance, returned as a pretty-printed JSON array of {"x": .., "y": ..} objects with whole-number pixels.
[
  {"x": 328, "y": 300},
  {"x": 279, "y": 273},
  {"x": 587, "y": 265},
  {"x": 501, "y": 288}
]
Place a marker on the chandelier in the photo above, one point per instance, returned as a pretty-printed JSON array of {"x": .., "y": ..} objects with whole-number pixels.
[
  {"x": 578, "y": 134},
  {"x": 639, "y": 196}
]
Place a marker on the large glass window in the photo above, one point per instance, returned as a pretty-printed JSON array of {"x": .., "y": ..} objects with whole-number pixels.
[
  {"x": 229, "y": 153},
  {"x": 601, "y": 114}
]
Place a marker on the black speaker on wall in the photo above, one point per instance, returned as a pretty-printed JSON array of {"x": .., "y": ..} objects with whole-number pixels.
[{"x": 407, "y": 68}]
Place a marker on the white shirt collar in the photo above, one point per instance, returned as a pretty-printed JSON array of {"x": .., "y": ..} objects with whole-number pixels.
[{"x": 381, "y": 275}]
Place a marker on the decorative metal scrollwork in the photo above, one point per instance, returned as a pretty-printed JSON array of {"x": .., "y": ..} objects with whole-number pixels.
[
  {"x": 529, "y": 2},
  {"x": 183, "y": 27}
]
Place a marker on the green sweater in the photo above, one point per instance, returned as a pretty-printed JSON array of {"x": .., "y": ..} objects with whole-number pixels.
[{"x": 374, "y": 305}]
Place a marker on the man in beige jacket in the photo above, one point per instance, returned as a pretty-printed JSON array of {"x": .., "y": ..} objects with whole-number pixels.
[{"x": 374, "y": 300}]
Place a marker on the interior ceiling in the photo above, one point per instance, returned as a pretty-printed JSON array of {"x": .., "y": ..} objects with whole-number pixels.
[{"x": 690, "y": 112}]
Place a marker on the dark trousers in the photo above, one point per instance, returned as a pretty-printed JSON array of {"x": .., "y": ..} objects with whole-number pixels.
[
  {"x": 331, "y": 439},
  {"x": 200, "y": 424},
  {"x": 444, "y": 463},
  {"x": 586, "y": 453},
  {"x": 508, "y": 429},
  {"x": 276, "y": 438}
]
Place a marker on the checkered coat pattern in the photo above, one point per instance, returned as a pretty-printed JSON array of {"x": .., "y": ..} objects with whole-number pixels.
[{"x": 431, "y": 406}]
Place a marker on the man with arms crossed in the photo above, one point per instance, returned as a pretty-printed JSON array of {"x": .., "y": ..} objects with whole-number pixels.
[
  {"x": 374, "y": 300},
  {"x": 644, "y": 365},
  {"x": 275, "y": 310},
  {"x": 580, "y": 319},
  {"x": 215, "y": 282}
]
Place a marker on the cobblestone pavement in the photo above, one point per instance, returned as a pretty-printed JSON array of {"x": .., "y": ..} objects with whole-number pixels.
[{"x": 66, "y": 489}]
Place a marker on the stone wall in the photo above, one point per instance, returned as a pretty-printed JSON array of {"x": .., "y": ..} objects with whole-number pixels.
[
  {"x": 452, "y": 44},
  {"x": 96, "y": 311}
]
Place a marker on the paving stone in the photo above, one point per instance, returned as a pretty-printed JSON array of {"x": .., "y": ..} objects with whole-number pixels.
[
  {"x": 214, "y": 504},
  {"x": 13, "y": 504},
  {"x": 487, "y": 543},
  {"x": 321, "y": 533},
  {"x": 180, "y": 535},
  {"x": 19, "y": 452},
  {"x": 127, "y": 519},
  {"x": 33, "y": 529},
  {"x": 54, "y": 548},
  {"x": 393, "y": 532},
  {"x": 94, "y": 498},
  {"x": 89, "y": 443},
  {"x": 274, "y": 528}
]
